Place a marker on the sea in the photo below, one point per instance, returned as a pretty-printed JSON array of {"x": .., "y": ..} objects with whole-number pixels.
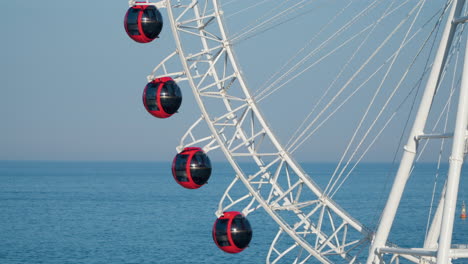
[{"x": 134, "y": 212}]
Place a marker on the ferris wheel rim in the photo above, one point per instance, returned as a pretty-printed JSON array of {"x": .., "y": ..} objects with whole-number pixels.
[
  {"x": 278, "y": 181},
  {"x": 282, "y": 153}
]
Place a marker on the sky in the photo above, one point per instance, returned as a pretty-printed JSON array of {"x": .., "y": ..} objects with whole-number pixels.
[{"x": 72, "y": 83}]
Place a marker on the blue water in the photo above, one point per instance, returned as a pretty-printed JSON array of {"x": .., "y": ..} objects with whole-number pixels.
[{"x": 132, "y": 212}]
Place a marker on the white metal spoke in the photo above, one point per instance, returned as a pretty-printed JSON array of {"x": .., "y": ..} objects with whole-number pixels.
[
  {"x": 246, "y": 129},
  {"x": 312, "y": 227}
]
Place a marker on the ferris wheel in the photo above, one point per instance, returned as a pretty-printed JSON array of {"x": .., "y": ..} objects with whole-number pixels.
[{"x": 361, "y": 57}]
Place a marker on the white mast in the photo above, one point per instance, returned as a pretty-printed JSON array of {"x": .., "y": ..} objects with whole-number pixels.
[
  {"x": 410, "y": 148},
  {"x": 456, "y": 162}
]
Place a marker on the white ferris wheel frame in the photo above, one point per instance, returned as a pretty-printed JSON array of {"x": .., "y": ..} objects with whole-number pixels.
[{"x": 240, "y": 131}]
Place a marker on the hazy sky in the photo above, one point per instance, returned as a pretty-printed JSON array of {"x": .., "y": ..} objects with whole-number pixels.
[
  {"x": 71, "y": 85},
  {"x": 72, "y": 82}
]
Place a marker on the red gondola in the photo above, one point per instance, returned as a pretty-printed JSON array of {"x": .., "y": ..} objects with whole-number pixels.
[
  {"x": 162, "y": 97},
  {"x": 143, "y": 23},
  {"x": 232, "y": 232},
  {"x": 191, "y": 168}
]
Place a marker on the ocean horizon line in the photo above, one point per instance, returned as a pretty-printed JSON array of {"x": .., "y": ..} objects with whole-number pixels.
[{"x": 166, "y": 161}]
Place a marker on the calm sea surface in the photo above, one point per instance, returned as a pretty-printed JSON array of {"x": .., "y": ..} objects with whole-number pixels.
[{"x": 131, "y": 212}]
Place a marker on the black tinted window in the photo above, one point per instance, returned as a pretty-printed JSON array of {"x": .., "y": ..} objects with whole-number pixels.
[
  {"x": 200, "y": 159},
  {"x": 241, "y": 231},
  {"x": 199, "y": 170},
  {"x": 171, "y": 97},
  {"x": 200, "y": 175},
  {"x": 151, "y": 22},
  {"x": 221, "y": 232},
  {"x": 181, "y": 173},
  {"x": 150, "y": 97},
  {"x": 132, "y": 22}
]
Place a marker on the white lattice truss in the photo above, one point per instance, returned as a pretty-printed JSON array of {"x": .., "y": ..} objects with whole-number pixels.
[{"x": 311, "y": 225}]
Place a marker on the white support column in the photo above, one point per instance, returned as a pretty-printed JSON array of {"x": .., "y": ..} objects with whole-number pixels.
[
  {"x": 410, "y": 148},
  {"x": 456, "y": 162},
  {"x": 434, "y": 231}
]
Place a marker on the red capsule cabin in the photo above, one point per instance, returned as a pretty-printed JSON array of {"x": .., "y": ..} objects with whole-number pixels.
[
  {"x": 232, "y": 232},
  {"x": 162, "y": 97},
  {"x": 143, "y": 23},
  {"x": 191, "y": 168}
]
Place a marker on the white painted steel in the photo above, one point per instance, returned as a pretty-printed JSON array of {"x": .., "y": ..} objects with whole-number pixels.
[
  {"x": 432, "y": 238},
  {"x": 456, "y": 253},
  {"x": 280, "y": 158},
  {"x": 412, "y": 251},
  {"x": 240, "y": 131},
  {"x": 410, "y": 148},
  {"x": 456, "y": 162}
]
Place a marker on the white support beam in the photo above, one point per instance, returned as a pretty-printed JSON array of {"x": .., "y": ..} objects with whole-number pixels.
[
  {"x": 456, "y": 162},
  {"x": 460, "y": 20},
  {"x": 459, "y": 252},
  {"x": 422, "y": 252},
  {"x": 410, "y": 148},
  {"x": 434, "y": 136}
]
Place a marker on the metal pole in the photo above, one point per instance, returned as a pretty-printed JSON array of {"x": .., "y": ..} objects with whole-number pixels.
[
  {"x": 455, "y": 163},
  {"x": 434, "y": 231},
  {"x": 410, "y": 148}
]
